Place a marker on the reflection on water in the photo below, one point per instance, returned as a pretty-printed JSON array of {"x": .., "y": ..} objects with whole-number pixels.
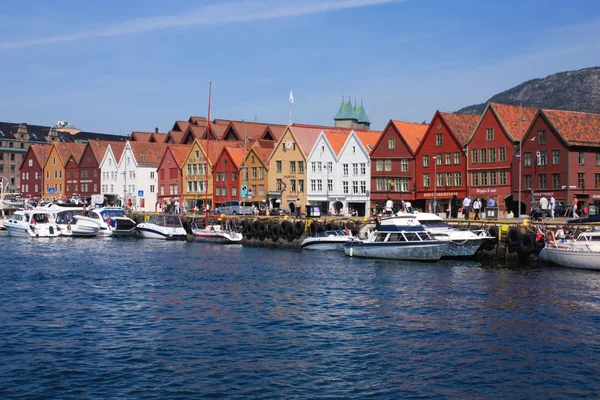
[{"x": 137, "y": 319}]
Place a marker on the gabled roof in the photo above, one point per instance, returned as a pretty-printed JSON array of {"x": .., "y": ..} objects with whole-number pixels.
[
  {"x": 180, "y": 152},
  {"x": 576, "y": 128},
  {"x": 66, "y": 150},
  {"x": 99, "y": 148},
  {"x": 306, "y": 137},
  {"x": 254, "y": 130},
  {"x": 175, "y": 136},
  {"x": 411, "y": 132},
  {"x": 201, "y": 121},
  {"x": 274, "y": 130},
  {"x": 461, "y": 125},
  {"x": 368, "y": 139},
  {"x": 158, "y": 137},
  {"x": 148, "y": 154},
  {"x": 236, "y": 155},
  {"x": 509, "y": 116},
  {"x": 336, "y": 140},
  {"x": 40, "y": 152},
  {"x": 180, "y": 126},
  {"x": 143, "y": 137}
]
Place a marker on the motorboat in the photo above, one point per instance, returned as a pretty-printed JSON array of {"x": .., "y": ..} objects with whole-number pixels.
[
  {"x": 583, "y": 252},
  {"x": 71, "y": 221},
  {"x": 163, "y": 226},
  {"x": 32, "y": 223},
  {"x": 112, "y": 221},
  {"x": 459, "y": 243},
  {"x": 397, "y": 238},
  {"x": 327, "y": 240},
  {"x": 222, "y": 232}
]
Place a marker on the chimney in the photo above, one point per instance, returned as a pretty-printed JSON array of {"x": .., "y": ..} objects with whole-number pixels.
[{"x": 155, "y": 130}]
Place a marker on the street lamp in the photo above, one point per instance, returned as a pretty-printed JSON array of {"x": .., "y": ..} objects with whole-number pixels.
[{"x": 434, "y": 184}]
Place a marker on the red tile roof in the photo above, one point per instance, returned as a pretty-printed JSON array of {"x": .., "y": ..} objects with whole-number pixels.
[
  {"x": 180, "y": 153},
  {"x": 411, "y": 132},
  {"x": 336, "y": 140},
  {"x": 510, "y": 115},
  {"x": 180, "y": 126},
  {"x": 276, "y": 131},
  {"x": 41, "y": 152},
  {"x": 577, "y": 128},
  {"x": 99, "y": 148},
  {"x": 249, "y": 129},
  {"x": 306, "y": 136},
  {"x": 159, "y": 137},
  {"x": 201, "y": 121},
  {"x": 461, "y": 125},
  {"x": 237, "y": 155},
  {"x": 148, "y": 154},
  {"x": 143, "y": 137},
  {"x": 66, "y": 150},
  {"x": 176, "y": 136},
  {"x": 368, "y": 139}
]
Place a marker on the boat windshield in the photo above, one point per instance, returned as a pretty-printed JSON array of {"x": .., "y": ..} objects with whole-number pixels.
[
  {"x": 40, "y": 218},
  {"x": 434, "y": 224},
  {"x": 112, "y": 213},
  {"x": 66, "y": 217}
]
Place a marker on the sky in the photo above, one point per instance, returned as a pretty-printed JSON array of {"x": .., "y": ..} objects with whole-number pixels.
[{"x": 121, "y": 66}]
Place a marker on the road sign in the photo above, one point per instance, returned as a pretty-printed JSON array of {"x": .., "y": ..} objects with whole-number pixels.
[
  {"x": 51, "y": 190},
  {"x": 244, "y": 190},
  {"x": 140, "y": 193}
]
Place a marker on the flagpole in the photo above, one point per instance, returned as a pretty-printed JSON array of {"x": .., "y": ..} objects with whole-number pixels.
[{"x": 291, "y": 102}]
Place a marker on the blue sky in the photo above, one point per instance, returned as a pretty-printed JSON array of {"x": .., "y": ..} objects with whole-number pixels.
[{"x": 115, "y": 66}]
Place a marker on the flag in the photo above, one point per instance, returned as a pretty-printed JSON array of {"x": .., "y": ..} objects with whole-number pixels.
[{"x": 291, "y": 98}]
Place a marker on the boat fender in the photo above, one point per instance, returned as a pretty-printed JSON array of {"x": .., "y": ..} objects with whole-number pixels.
[
  {"x": 527, "y": 243},
  {"x": 290, "y": 231},
  {"x": 493, "y": 231},
  {"x": 329, "y": 226},
  {"x": 514, "y": 235},
  {"x": 313, "y": 228},
  {"x": 299, "y": 228},
  {"x": 69, "y": 227},
  {"x": 320, "y": 228}
]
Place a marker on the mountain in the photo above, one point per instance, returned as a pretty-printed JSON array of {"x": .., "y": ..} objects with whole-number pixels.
[{"x": 571, "y": 90}]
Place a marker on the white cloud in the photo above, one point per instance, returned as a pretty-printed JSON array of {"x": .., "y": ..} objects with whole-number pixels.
[{"x": 217, "y": 14}]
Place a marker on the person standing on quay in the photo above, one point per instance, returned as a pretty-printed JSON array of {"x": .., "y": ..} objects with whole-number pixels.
[
  {"x": 297, "y": 206},
  {"x": 476, "y": 208},
  {"x": 389, "y": 206},
  {"x": 466, "y": 206},
  {"x": 544, "y": 207},
  {"x": 552, "y": 205}
]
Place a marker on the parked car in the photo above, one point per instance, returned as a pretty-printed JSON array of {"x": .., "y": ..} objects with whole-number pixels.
[{"x": 236, "y": 207}]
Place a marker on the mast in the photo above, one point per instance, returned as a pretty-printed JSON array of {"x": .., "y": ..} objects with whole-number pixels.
[{"x": 207, "y": 156}]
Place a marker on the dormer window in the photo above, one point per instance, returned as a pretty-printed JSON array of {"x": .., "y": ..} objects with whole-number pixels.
[
  {"x": 353, "y": 149},
  {"x": 322, "y": 149},
  {"x": 391, "y": 143}
]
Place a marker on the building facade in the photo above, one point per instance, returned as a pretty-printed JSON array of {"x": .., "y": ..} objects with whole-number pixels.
[
  {"x": 170, "y": 178},
  {"x": 32, "y": 177}
]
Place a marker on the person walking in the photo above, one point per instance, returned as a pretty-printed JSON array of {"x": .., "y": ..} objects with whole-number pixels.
[
  {"x": 297, "y": 206},
  {"x": 466, "y": 206},
  {"x": 544, "y": 206},
  {"x": 389, "y": 206},
  {"x": 552, "y": 205},
  {"x": 476, "y": 208},
  {"x": 408, "y": 206},
  {"x": 575, "y": 202}
]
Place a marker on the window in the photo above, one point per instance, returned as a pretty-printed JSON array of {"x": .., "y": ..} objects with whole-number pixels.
[
  {"x": 379, "y": 184},
  {"x": 426, "y": 161},
  {"x": 218, "y": 177},
  {"x": 492, "y": 154},
  {"x": 355, "y": 187},
  {"x": 1, "y": 156},
  {"x": 355, "y": 169},
  {"x": 458, "y": 179},
  {"x": 426, "y": 180},
  {"x": 456, "y": 158},
  {"x": 363, "y": 168},
  {"x": 596, "y": 182},
  {"x": 12, "y": 157},
  {"x": 438, "y": 159},
  {"x": 313, "y": 185},
  {"x": 151, "y": 175},
  {"x": 234, "y": 176},
  {"x": 502, "y": 177},
  {"x": 489, "y": 134},
  {"x": 301, "y": 167},
  {"x": 581, "y": 158},
  {"x": 278, "y": 167},
  {"x": 279, "y": 185},
  {"x": 379, "y": 165},
  {"x": 319, "y": 166},
  {"x": 363, "y": 187},
  {"x": 234, "y": 191},
  {"x": 439, "y": 139},
  {"x": 151, "y": 188},
  {"x": 218, "y": 191},
  {"x": 543, "y": 158},
  {"x": 391, "y": 143},
  {"x": 541, "y": 137},
  {"x": 293, "y": 186},
  {"x": 353, "y": 149},
  {"x": 261, "y": 172},
  {"x": 555, "y": 157},
  {"x": 388, "y": 165},
  {"x": 293, "y": 167},
  {"x": 483, "y": 155},
  {"x": 197, "y": 154},
  {"x": 162, "y": 189},
  {"x": 404, "y": 165},
  {"x": 448, "y": 158},
  {"x": 329, "y": 166},
  {"x": 31, "y": 163},
  {"x": 301, "y": 185},
  {"x": 474, "y": 156},
  {"x": 345, "y": 187},
  {"x": 580, "y": 180},
  {"x": 330, "y": 185},
  {"x": 502, "y": 154},
  {"x": 448, "y": 178},
  {"x": 527, "y": 160},
  {"x": 404, "y": 184},
  {"x": 527, "y": 181},
  {"x": 261, "y": 190},
  {"x": 542, "y": 181},
  {"x": 475, "y": 179},
  {"x": 254, "y": 171},
  {"x": 345, "y": 169},
  {"x": 556, "y": 181}
]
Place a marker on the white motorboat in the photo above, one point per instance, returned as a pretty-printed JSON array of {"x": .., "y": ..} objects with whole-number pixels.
[
  {"x": 459, "y": 243},
  {"x": 32, "y": 223},
  {"x": 328, "y": 240},
  {"x": 113, "y": 221},
  {"x": 221, "y": 232},
  {"x": 583, "y": 252},
  {"x": 71, "y": 221},
  {"x": 397, "y": 238},
  {"x": 162, "y": 226}
]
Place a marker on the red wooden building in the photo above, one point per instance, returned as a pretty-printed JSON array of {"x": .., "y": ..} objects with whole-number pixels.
[
  {"x": 491, "y": 153},
  {"x": 441, "y": 162},
  {"x": 31, "y": 170},
  {"x": 561, "y": 158},
  {"x": 170, "y": 179},
  {"x": 226, "y": 175},
  {"x": 393, "y": 163}
]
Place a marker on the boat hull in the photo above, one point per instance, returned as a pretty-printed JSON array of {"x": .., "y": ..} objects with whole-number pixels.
[
  {"x": 423, "y": 251},
  {"x": 161, "y": 233},
  {"x": 323, "y": 245},
  {"x": 460, "y": 249},
  {"x": 571, "y": 259},
  {"x": 222, "y": 237},
  {"x": 39, "y": 231}
]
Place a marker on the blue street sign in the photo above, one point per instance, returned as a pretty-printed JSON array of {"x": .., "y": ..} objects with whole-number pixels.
[
  {"x": 51, "y": 190},
  {"x": 244, "y": 190},
  {"x": 140, "y": 193}
]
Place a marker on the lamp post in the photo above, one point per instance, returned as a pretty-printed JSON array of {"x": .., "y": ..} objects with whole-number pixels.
[
  {"x": 245, "y": 156},
  {"x": 434, "y": 184}
]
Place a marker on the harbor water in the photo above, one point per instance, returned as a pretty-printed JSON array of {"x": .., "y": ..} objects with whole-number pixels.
[{"x": 127, "y": 318}]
